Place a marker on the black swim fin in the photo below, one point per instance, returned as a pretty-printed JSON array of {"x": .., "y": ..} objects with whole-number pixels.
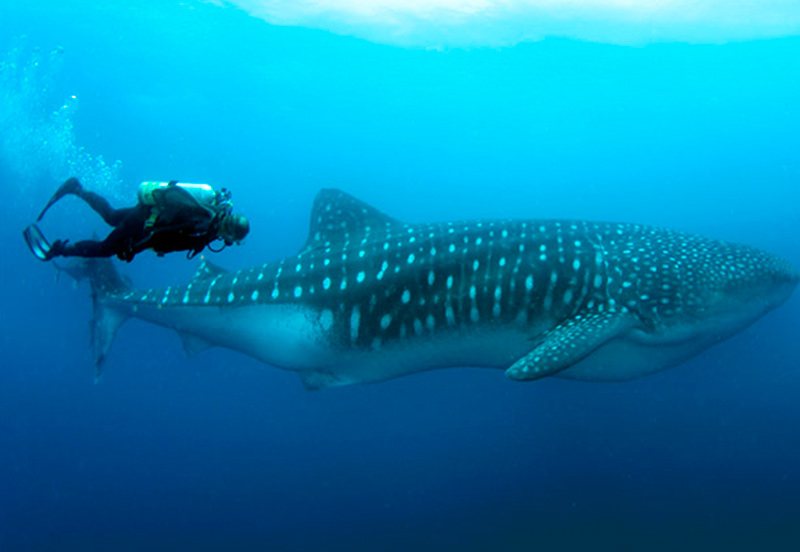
[
  {"x": 37, "y": 243},
  {"x": 70, "y": 186}
]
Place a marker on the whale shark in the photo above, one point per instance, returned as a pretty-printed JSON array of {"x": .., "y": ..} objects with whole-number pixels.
[{"x": 369, "y": 298}]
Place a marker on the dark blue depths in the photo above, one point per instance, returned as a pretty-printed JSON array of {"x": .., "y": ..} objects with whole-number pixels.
[{"x": 220, "y": 452}]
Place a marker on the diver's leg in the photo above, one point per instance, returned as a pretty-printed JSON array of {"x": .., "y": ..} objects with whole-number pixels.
[
  {"x": 103, "y": 208},
  {"x": 112, "y": 245},
  {"x": 85, "y": 248},
  {"x": 97, "y": 202}
]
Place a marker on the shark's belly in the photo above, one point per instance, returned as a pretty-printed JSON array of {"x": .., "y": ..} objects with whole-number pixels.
[
  {"x": 286, "y": 336},
  {"x": 485, "y": 348},
  {"x": 627, "y": 358},
  {"x": 298, "y": 338},
  {"x": 637, "y": 353}
]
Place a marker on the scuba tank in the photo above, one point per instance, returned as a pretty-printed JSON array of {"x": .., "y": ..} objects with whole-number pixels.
[
  {"x": 205, "y": 196},
  {"x": 202, "y": 193}
]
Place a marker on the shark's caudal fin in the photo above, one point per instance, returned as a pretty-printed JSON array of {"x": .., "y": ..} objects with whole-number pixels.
[
  {"x": 104, "y": 281},
  {"x": 106, "y": 320}
]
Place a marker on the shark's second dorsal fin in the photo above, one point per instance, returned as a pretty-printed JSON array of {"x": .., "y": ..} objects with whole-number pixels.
[
  {"x": 207, "y": 270},
  {"x": 338, "y": 216}
]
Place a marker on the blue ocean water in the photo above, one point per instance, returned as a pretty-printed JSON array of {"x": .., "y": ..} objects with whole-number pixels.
[{"x": 220, "y": 452}]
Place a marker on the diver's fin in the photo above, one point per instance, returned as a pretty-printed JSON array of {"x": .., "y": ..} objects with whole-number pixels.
[
  {"x": 37, "y": 243},
  {"x": 567, "y": 344},
  {"x": 70, "y": 186}
]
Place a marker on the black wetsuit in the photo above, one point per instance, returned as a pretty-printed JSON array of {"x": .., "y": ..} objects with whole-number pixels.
[{"x": 181, "y": 224}]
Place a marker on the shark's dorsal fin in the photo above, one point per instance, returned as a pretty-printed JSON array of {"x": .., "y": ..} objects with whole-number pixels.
[
  {"x": 337, "y": 216},
  {"x": 207, "y": 270}
]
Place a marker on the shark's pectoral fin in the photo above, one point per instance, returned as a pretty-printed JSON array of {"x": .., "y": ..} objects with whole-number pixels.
[
  {"x": 314, "y": 380},
  {"x": 567, "y": 344},
  {"x": 193, "y": 344}
]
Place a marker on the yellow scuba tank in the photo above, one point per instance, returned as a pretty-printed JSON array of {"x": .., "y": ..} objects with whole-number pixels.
[{"x": 202, "y": 193}]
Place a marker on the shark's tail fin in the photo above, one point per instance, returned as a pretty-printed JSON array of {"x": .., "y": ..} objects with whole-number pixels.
[{"x": 106, "y": 284}]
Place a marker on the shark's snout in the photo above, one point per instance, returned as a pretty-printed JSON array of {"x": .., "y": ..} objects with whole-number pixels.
[
  {"x": 793, "y": 276},
  {"x": 785, "y": 274},
  {"x": 773, "y": 282}
]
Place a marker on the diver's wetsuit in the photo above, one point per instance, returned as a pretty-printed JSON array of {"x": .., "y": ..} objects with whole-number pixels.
[{"x": 182, "y": 224}]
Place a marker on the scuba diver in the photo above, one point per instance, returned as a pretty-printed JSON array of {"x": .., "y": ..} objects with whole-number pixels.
[{"x": 168, "y": 216}]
